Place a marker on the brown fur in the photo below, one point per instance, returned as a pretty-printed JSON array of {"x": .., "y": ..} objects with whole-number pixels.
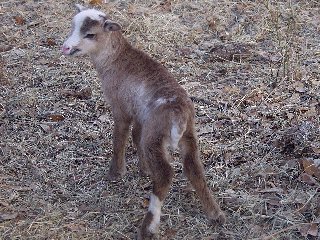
[
  {"x": 87, "y": 24},
  {"x": 143, "y": 93}
]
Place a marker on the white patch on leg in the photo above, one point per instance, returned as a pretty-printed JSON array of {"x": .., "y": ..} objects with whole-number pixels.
[
  {"x": 176, "y": 134},
  {"x": 155, "y": 209}
]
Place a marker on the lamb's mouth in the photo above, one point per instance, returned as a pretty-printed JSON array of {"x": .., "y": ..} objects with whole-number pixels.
[{"x": 73, "y": 51}]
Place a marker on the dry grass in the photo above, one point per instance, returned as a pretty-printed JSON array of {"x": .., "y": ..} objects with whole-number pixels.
[{"x": 252, "y": 68}]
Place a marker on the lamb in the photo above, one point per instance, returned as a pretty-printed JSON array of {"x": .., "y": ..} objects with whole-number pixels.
[{"x": 143, "y": 93}]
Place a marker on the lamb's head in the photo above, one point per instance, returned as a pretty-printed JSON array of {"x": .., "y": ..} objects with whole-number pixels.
[{"x": 89, "y": 28}]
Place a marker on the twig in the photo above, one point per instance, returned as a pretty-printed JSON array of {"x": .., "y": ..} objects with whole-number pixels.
[
  {"x": 122, "y": 234},
  {"x": 200, "y": 100},
  {"x": 273, "y": 235},
  {"x": 304, "y": 206}
]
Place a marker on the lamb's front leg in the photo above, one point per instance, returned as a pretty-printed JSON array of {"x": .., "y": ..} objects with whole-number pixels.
[{"x": 120, "y": 137}]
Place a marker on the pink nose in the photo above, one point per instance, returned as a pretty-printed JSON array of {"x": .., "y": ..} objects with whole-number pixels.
[{"x": 65, "y": 49}]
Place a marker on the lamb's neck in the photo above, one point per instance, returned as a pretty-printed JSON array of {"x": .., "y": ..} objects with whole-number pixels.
[{"x": 114, "y": 46}]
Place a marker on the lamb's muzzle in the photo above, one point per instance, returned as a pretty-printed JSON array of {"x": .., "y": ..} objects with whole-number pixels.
[
  {"x": 69, "y": 51},
  {"x": 143, "y": 93}
]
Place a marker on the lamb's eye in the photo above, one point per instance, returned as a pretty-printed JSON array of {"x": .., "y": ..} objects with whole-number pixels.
[{"x": 89, "y": 35}]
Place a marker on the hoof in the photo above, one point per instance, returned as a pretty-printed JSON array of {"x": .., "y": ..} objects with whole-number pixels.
[
  {"x": 143, "y": 235},
  {"x": 144, "y": 173},
  {"x": 217, "y": 219},
  {"x": 113, "y": 176},
  {"x": 150, "y": 223},
  {"x": 144, "y": 170}
]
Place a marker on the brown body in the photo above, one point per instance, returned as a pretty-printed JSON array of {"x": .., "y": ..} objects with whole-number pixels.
[{"x": 143, "y": 93}]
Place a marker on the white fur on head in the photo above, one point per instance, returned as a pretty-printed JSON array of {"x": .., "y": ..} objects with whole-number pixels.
[
  {"x": 91, "y": 13},
  {"x": 80, "y": 7},
  {"x": 76, "y": 43}
]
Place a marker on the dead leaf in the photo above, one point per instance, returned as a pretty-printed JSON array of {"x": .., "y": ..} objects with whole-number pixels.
[
  {"x": 34, "y": 23},
  {"x": 51, "y": 42},
  {"x": 269, "y": 57},
  {"x": 84, "y": 93},
  {"x": 4, "y": 48},
  {"x": 75, "y": 227},
  {"x": 95, "y": 2},
  {"x": 213, "y": 23},
  {"x": 304, "y": 230},
  {"x": 308, "y": 179},
  {"x": 268, "y": 171},
  {"x": 45, "y": 127},
  {"x": 227, "y": 157},
  {"x": 315, "y": 82},
  {"x": 5, "y": 204},
  {"x": 231, "y": 52},
  {"x": 170, "y": 233},
  {"x": 311, "y": 112},
  {"x": 299, "y": 87},
  {"x": 166, "y": 5},
  {"x": 295, "y": 98},
  {"x": 103, "y": 118},
  {"x": 137, "y": 10},
  {"x": 19, "y": 20},
  {"x": 7, "y": 217},
  {"x": 313, "y": 230},
  {"x": 312, "y": 167},
  {"x": 274, "y": 202},
  {"x": 231, "y": 90},
  {"x": 145, "y": 203},
  {"x": 184, "y": 51},
  {"x": 292, "y": 163},
  {"x": 55, "y": 117},
  {"x": 233, "y": 201},
  {"x": 290, "y": 115},
  {"x": 309, "y": 229},
  {"x": 315, "y": 148}
]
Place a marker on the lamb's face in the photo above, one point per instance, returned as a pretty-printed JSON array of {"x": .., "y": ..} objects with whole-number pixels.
[{"x": 88, "y": 27}]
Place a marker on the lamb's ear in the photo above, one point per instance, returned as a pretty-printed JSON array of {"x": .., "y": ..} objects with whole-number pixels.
[
  {"x": 80, "y": 8},
  {"x": 111, "y": 26}
]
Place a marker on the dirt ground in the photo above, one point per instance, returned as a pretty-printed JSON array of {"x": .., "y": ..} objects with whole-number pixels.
[{"x": 252, "y": 69}]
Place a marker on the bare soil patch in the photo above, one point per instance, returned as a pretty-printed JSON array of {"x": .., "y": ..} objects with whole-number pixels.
[{"x": 252, "y": 69}]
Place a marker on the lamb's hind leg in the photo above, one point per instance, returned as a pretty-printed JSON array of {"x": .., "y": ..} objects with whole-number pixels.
[
  {"x": 136, "y": 138},
  {"x": 161, "y": 175},
  {"x": 194, "y": 171}
]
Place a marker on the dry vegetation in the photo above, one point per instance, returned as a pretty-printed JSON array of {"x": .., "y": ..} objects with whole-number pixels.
[{"x": 252, "y": 69}]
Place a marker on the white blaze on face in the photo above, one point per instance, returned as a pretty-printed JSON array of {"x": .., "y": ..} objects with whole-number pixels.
[
  {"x": 74, "y": 41},
  {"x": 155, "y": 209}
]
